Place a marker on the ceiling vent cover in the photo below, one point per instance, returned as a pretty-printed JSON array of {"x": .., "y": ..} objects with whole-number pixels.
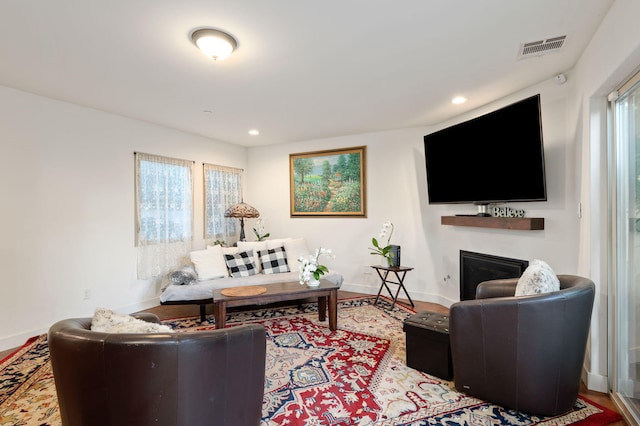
[{"x": 540, "y": 47}]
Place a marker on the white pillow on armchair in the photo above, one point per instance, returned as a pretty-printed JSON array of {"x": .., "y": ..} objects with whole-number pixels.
[
  {"x": 538, "y": 278},
  {"x": 108, "y": 321}
]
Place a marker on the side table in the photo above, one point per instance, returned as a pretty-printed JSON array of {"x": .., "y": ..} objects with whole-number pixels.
[{"x": 399, "y": 272}]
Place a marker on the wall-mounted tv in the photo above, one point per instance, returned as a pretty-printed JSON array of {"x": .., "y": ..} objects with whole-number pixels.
[{"x": 494, "y": 158}]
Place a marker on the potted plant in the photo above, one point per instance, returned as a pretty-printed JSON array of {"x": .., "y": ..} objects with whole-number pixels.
[
  {"x": 311, "y": 270},
  {"x": 387, "y": 251}
]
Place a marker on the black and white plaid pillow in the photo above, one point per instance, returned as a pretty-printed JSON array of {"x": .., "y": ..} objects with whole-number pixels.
[
  {"x": 241, "y": 264},
  {"x": 273, "y": 261}
]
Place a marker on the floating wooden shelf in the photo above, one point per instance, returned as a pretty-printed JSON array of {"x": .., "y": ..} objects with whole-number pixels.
[{"x": 519, "y": 223}]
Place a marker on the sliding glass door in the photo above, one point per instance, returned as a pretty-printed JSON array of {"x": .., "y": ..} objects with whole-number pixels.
[{"x": 625, "y": 351}]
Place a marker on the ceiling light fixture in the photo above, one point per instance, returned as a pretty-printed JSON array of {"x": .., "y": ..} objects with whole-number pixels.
[
  {"x": 458, "y": 100},
  {"x": 214, "y": 44},
  {"x": 254, "y": 132}
]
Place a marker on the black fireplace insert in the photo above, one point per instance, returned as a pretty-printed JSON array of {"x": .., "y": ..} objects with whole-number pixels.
[{"x": 478, "y": 267}]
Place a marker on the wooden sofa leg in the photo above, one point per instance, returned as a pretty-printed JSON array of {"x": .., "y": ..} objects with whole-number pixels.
[{"x": 203, "y": 313}]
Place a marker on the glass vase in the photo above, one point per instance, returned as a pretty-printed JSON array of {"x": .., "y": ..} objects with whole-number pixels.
[{"x": 313, "y": 282}]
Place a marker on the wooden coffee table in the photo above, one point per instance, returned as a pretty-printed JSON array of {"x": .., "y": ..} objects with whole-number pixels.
[{"x": 279, "y": 292}]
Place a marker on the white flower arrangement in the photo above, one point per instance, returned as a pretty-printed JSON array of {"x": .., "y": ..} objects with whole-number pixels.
[
  {"x": 310, "y": 268},
  {"x": 259, "y": 230},
  {"x": 385, "y": 233}
]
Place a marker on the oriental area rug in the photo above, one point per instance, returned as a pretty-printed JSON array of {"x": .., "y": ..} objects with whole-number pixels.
[{"x": 354, "y": 376}]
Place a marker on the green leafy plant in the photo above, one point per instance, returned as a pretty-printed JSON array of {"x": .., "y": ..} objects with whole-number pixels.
[
  {"x": 309, "y": 265},
  {"x": 377, "y": 249},
  {"x": 381, "y": 251}
]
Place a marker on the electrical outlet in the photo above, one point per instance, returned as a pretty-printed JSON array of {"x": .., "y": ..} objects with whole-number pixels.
[{"x": 86, "y": 294}]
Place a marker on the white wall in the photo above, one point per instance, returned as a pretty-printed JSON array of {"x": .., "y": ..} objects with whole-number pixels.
[
  {"x": 67, "y": 217},
  {"x": 612, "y": 56},
  {"x": 396, "y": 190}
]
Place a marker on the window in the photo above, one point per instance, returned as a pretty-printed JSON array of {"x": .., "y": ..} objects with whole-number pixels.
[
  {"x": 164, "y": 213},
  {"x": 222, "y": 188}
]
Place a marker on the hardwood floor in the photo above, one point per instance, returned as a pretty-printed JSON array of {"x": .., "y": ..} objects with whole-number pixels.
[
  {"x": 176, "y": 311},
  {"x": 4, "y": 354}
]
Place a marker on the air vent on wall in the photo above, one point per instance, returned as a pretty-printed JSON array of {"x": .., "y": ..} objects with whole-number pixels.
[{"x": 540, "y": 47}]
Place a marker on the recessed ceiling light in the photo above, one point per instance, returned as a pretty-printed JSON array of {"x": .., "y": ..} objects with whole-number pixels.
[
  {"x": 254, "y": 132},
  {"x": 458, "y": 100}
]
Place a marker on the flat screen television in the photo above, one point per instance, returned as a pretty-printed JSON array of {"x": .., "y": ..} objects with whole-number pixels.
[{"x": 494, "y": 158}]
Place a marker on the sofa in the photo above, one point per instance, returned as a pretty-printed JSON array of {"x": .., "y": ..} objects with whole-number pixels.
[
  {"x": 250, "y": 263},
  {"x": 210, "y": 377}
]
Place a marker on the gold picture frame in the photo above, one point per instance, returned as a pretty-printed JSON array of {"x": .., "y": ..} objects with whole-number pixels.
[{"x": 330, "y": 183}]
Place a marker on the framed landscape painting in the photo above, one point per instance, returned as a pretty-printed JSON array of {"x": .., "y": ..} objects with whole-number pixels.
[{"x": 328, "y": 183}]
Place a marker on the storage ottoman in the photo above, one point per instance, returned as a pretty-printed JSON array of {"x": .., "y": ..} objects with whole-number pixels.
[{"x": 428, "y": 349}]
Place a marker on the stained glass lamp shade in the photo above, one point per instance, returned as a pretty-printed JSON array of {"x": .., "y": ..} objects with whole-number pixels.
[{"x": 242, "y": 211}]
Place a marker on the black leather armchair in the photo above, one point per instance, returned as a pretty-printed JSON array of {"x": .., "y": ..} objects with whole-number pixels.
[
  {"x": 525, "y": 353},
  {"x": 211, "y": 377}
]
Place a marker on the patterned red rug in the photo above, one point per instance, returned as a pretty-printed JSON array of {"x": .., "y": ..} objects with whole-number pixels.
[{"x": 354, "y": 376}]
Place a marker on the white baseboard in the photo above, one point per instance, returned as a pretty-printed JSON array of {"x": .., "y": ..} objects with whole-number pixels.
[
  {"x": 597, "y": 382},
  {"x": 17, "y": 340},
  {"x": 358, "y": 288},
  {"x": 140, "y": 306},
  {"x": 373, "y": 290}
]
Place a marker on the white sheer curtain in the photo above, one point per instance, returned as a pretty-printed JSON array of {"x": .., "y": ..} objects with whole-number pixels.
[
  {"x": 164, "y": 213},
  {"x": 222, "y": 188}
]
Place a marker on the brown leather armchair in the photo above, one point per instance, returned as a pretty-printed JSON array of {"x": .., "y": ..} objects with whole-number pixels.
[
  {"x": 213, "y": 377},
  {"x": 525, "y": 353}
]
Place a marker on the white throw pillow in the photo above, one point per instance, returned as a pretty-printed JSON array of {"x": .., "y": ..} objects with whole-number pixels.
[
  {"x": 295, "y": 248},
  {"x": 229, "y": 250},
  {"x": 256, "y": 246},
  {"x": 538, "y": 278},
  {"x": 209, "y": 263},
  {"x": 276, "y": 242},
  {"x": 107, "y": 321}
]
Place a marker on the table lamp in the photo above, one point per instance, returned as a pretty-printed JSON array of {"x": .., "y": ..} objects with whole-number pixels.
[{"x": 241, "y": 210}]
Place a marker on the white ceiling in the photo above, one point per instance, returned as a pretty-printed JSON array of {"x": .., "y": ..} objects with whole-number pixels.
[{"x": 303, "y": 70}]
